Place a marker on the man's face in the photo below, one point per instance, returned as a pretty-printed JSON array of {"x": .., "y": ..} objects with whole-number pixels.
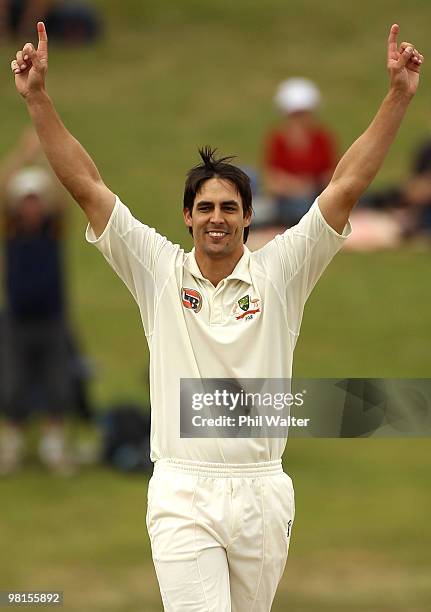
[{"x": 217, "y": 219}]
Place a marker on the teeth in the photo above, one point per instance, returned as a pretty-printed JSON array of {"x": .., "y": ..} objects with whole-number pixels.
[{"x": 216, "y": 233}]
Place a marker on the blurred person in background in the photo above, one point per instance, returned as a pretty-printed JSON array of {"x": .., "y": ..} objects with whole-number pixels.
[
  {"x": 300, "y": 154},
  {"x": 17, "y": 15},
  {"x": 387, "y": 217},
  {"x": 34, "y": 355},
  {"x": 416, "y": 194},
  {"x": 69, "y": 21}
]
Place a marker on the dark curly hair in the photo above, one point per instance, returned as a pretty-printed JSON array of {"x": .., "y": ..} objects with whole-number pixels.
[{"x": 211, "y": 167}]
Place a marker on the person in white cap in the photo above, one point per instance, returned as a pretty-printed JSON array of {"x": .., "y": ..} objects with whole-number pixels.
[
  {"x": 220, "y": 510},
  {"x": 300, "y": 154},
  {"x": 34, "y": 353}
]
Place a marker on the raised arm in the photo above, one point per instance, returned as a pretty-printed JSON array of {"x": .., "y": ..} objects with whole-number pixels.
[
  {"x": 360, "y": 164},
  {"x": 69, "y": 160}
]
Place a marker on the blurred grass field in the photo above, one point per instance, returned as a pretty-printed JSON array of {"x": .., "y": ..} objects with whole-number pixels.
[{"x": 167, "y": 78}]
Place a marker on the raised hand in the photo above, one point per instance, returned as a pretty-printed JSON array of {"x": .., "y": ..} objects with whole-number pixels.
[
  {"x": 404, "y": 64},
  {"x": 31, "y": 65}
]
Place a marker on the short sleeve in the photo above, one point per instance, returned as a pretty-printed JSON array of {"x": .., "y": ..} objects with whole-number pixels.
[
  {"x": 141, "y": 257},
  {"x": 296, "y": 259}
]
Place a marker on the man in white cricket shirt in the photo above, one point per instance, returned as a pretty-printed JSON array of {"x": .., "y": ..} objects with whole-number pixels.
[{"x": 220, "y": 511}]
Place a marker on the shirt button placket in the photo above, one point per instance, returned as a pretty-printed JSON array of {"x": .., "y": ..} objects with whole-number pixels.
[
  {"x": 211, "y": 299},
  {"x": 218, "y": 303}
]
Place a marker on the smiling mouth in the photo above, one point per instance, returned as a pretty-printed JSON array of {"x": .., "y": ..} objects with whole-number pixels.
[{"x": 215, "y": 234}]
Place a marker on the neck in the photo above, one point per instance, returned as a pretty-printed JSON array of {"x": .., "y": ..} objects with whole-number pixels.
[{"x": 216, "y": 269}]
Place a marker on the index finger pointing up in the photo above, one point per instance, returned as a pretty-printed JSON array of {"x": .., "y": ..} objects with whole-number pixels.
[
  {"x": 42, "y": 47},
  {"x": 392, "y": 42}
]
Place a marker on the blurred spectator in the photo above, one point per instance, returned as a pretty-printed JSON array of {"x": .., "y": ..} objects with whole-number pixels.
[
  {"x": 66, "y": 20},
  {"x": 35, "y": 353},
  {"x": 417, "y": 192},
  {"x": 300, "y": 154},
  {"x": 388, "y": 216}
]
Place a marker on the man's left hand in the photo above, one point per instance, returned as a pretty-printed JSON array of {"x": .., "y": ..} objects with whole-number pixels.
[{"x": 404, "y": 64}]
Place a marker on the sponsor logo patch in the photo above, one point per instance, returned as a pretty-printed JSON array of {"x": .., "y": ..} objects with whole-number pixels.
[{"x": 191, "y": 299}]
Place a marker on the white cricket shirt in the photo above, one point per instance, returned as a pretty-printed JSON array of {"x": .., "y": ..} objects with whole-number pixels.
[{"x": 196, "y": 330}]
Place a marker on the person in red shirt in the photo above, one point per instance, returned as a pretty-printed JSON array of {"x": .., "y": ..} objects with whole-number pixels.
[{"x": 300, "y": 154}]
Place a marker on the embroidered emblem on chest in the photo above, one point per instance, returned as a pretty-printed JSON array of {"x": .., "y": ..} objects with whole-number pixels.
[
  {"x": 191, "y": 299},
  {"x": 250, "y": 308},
  {"x": 244, "y": 302}
]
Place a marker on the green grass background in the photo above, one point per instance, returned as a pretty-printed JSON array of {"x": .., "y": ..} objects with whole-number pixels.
[{"x": 168, "y": 77}]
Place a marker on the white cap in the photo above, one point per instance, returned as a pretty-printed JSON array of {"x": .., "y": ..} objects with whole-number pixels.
[
  {"x": 297, "y": 94},
  {"x": 32, "y": 180}
]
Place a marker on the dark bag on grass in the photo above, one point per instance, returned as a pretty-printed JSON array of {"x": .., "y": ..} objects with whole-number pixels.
[{"x": 126, "y": 438}]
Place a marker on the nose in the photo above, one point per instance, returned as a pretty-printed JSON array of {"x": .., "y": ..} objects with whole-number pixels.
[{"x": 217, "y": 216}]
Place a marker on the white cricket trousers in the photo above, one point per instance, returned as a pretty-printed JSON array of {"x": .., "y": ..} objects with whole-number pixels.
[{"x": 219, "y": 533}]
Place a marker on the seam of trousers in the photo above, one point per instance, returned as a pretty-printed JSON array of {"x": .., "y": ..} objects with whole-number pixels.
[
  {"x": 263, "y": 545},
  {"x": 233, "y": 538},
  {"x": 194, "y": 542}
]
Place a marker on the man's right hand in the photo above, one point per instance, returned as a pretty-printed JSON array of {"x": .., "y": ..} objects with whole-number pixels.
[
  {"x": 70, "y": 161},
  {"x": 31, "y": 65}
]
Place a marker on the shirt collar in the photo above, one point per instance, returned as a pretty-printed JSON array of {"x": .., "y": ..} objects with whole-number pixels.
[{"x": 240, "y": 272}]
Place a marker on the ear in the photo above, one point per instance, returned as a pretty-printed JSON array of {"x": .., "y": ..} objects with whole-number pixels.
[
  {"x": 187, "y": 217},
  {"x": 247, "y": 218}
]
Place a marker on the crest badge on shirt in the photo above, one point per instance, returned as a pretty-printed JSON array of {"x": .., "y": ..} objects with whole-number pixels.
[
  {"x": 249, "y": 307},
  {"x": 191, "y": 299},
  {"x": 244, "y": 302}
]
